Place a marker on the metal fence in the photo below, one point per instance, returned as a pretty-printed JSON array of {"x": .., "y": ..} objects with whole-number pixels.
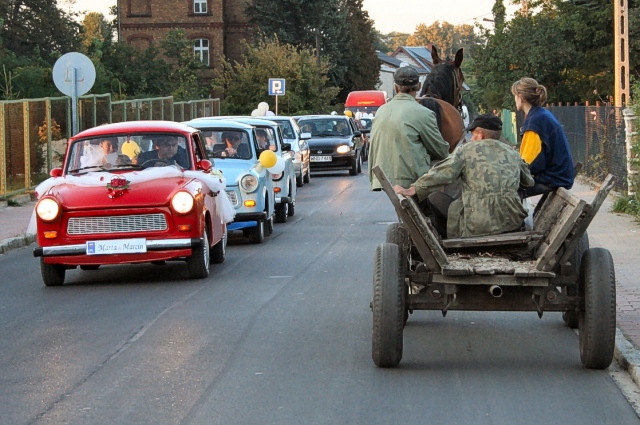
[{"x": 33, "y": 132}]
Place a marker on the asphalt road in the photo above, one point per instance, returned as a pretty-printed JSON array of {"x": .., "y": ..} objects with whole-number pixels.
[{"x": 279, "y": 334}]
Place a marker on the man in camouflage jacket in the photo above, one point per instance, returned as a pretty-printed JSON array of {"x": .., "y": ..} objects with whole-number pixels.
[{"x": 491, "y": 172}]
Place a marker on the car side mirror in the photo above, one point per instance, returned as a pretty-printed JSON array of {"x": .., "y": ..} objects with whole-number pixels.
[
  {"x": 56, "y": 172},
  {"x": 365, "y": 131},
  {"x": 204, "y": 165},
  {"x": 357, "y": 133},
  {"x": 286, "y": 146},
  {"x": 305, "y": 136}
]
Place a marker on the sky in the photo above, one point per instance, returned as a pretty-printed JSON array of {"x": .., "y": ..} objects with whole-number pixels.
[{"x": 388, "y": 15}]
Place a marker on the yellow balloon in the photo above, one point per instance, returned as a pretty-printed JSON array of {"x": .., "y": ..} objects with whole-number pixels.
[
  {"x": 348, "y": 113},
  {"x": 268, "y": 159},
  {"x": 131, "y": 149}
]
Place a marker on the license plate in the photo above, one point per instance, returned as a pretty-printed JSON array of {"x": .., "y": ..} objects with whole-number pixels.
[
  {"x": 117, "y": 246},
  {"x": 320, "y": 159}
]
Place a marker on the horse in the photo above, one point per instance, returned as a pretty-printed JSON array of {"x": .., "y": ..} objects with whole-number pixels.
[{"x": 442, "y": 93}]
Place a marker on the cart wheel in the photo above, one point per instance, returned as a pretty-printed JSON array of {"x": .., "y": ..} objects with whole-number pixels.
[
  {"x": 397, "y": 234},
  {"x": 388, "y": 307},
  {"x": 597, "y": 323},
  {"x": 571, "y": 317}
]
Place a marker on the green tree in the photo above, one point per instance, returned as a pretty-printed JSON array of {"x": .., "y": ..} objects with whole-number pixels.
[
  {"x": 244, "y": 85},
  {"x": 183, "y": 78}
]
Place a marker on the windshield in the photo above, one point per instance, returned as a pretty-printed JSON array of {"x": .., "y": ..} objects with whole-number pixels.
[
  {"x": 325, "y": 127},
  {"x": 128, "y": 151},
  {"x": 287, "y": 129},
  {"x": 227, "y": 144}
]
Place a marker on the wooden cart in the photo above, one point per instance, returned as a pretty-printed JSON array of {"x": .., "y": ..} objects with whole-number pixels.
[{"x": 550, "y": 268}]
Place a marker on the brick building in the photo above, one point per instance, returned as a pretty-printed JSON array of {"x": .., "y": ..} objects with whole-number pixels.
[{"x": 216, "y": 27}]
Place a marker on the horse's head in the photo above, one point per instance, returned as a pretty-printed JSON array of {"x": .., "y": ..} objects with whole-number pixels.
[{"x": 445, "y": 80}]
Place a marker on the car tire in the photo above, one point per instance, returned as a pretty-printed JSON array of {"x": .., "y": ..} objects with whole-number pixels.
[
  {"x": 219, "y": 250},
  {"x": 257, "y": 233},
  {"x": 307, "y": 177},
  {"x": 282, "y": 211},
  {"x": 52, "y": 274},
  {"x": 199, "y": 260},
  {"x": 300, "y": 180},
  {"x": 597, "y": 323},
  {"x": 268, "y": 227},
  {"x": 354, "y": 165}
]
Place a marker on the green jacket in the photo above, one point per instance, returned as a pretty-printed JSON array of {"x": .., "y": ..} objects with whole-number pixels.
[
  {"x": 491, "y": 173},
  {"x": 404, "y": 140}
]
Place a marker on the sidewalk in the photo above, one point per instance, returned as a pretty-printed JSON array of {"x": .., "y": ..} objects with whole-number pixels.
[{"x": 617, "y": 232}]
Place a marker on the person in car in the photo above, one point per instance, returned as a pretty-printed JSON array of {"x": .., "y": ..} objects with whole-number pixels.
[
  {"x": 342, "y": 128},
  {"x": 110, "y": 153},
  {"x": 233, "y": 146},
  {"x": 491, "y": 173},
  {"x": 166, "y": 151},
  {"x": 404, "y": 136}
]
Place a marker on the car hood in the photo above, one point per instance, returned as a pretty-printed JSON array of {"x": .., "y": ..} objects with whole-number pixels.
[
  {"x": 156, "y": 192},
  {"x": 330, "y": 141},
  {"x": 233, "y": 170}
]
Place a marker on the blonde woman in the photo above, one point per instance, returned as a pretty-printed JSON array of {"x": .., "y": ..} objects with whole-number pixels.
[{"x": 544, "y": 144}]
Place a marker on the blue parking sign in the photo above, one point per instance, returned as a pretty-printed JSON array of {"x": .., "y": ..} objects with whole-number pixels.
[{"x": 276, "y": 86}]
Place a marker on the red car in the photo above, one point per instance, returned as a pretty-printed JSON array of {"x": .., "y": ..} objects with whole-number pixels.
[{"x": 132, "y": 192}]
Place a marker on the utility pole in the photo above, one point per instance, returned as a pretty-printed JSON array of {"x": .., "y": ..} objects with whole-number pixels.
[{"x": 621, "y": 55}]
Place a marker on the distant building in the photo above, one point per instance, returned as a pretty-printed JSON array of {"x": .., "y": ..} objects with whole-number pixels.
[{"x": 216, "y": 27}]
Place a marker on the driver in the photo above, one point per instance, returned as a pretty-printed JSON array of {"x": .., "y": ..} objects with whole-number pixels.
[{"x": 166, "y": 151}]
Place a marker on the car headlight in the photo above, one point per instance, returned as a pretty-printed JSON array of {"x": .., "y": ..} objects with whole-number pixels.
[
  {"x": 343, "y": 149},
  {"x": 182, "y": 202},
  {"x": 249, "y": 183},
  {"x": 48, "y": 209}
]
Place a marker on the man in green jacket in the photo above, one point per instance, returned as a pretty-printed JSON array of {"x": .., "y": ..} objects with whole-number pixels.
[
  {"x": 491, "y": 173},
  {"x": 404, "y": 136}
]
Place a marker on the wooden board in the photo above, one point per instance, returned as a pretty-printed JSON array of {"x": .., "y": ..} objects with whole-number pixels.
[
  {"x": 421, "y": 244},
  {"x": 506, "y": 239}
]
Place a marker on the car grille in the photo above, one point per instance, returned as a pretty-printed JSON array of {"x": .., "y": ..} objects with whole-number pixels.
[
  {"x": 116, "y": 224},
  {"x": 322, "y": 151},
  {"x": 232, "y": 197}
]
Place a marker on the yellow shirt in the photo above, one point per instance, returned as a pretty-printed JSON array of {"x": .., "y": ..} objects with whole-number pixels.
[{"x": 531, "y": 146}]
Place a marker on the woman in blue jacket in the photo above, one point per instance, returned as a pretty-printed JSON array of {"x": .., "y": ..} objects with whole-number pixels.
[{"x": 544, "y": 144}]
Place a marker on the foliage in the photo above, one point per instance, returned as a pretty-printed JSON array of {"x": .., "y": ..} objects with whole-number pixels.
[
  {"x": 183, "y": 77},
  {"x": 56, "y": 132},
  {"x": 245, "y": 84},
  {"x": 630, "y": 204},
  {"x": 339, "y": 31},
  {"x": 448, "y": 38}
]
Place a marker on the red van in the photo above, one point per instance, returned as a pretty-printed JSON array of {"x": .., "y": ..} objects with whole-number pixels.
[{"x": 367, "y": 101}]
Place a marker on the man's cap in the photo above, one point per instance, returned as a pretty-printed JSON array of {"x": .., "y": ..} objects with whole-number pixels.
[
  {"x": 486, "y": 121},
  {"x": 406, "y": 76}
]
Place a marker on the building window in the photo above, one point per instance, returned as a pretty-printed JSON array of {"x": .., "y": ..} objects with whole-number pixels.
[
  {"x": 199, "y": 6},
  {"x": 201, "y": 50}
]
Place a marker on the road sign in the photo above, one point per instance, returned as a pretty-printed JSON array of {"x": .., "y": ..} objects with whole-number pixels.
[
  {"x": 74, "y": 75},
  {"x": 276, "y": 86}
]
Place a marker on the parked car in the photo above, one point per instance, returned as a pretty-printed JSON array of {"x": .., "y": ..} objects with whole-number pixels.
[
  {"x": 269, "y": 136},
  {"x": 336, "y": 142},
  {"x": 250, "y": 191},
  {"x": 132, "y": 192},
  {"x": 299, "y": 146}
]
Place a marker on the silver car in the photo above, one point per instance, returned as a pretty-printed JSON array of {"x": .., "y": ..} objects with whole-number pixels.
[{"x": 299, "y": 146}]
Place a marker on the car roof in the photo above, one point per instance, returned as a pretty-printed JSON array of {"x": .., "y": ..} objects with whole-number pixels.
[
  {"x": 322, "y": 116},
  {"x": 203, "y": 124},
  {"x": 135, "y": 126}
]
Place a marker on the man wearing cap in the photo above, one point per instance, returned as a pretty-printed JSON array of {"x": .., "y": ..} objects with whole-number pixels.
[
  {"x": 491, "y": 172},
  {"x": 404, "y": 136}
]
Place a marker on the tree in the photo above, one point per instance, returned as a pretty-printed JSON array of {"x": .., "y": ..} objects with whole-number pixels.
[
  {"x": 244, "y": 85},
  {"x": 183, "y": 78}
]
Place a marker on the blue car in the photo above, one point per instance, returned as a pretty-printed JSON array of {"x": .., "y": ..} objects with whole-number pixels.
[{"x": 233, "y": 148}]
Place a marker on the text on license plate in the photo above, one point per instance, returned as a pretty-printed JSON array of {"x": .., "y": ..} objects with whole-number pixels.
[
  {"x": 117, "y": 246},
  {"x": 315, "y": 158}
]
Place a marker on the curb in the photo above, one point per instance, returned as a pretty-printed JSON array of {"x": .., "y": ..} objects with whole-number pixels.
[
  {"x": 10, "y": 244},
  {"x": 627, "y": 356}
]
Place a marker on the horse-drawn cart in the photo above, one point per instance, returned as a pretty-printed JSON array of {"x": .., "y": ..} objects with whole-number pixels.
[{"x": 550, "y": 268}]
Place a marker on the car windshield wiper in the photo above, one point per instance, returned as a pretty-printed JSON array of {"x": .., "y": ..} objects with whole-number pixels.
[{"x": 99, "y": 168}]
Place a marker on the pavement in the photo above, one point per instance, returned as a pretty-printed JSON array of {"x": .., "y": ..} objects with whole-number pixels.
[{"x": 619, "y": 233}]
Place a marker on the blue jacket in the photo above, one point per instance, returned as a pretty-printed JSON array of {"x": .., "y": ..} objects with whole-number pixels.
[{"x": 553, "y": 167}]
